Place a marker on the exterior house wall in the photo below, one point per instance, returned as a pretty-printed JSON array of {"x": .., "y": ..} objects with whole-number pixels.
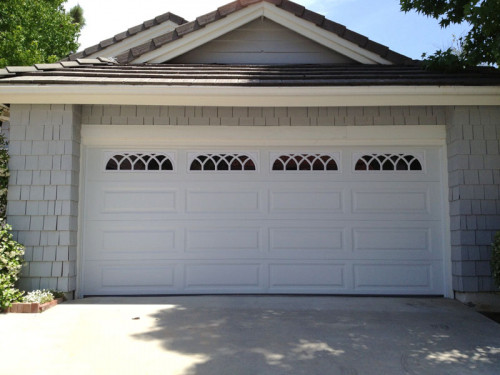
[
  {"x": 258, "y": 116},
  {"x": 45, "y": 150},
  {"x": 473, "y": 135},
  {"x": 43, "y": 192}
]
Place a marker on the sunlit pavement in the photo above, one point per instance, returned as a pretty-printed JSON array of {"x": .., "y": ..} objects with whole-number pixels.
[{"x": 264, "y": 335}]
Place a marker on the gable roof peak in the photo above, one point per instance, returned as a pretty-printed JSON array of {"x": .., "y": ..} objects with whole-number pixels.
[{"x": 383, "y": 52}]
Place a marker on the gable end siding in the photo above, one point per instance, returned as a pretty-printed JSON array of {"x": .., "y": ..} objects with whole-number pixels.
[{"x": 262, "y": 42}]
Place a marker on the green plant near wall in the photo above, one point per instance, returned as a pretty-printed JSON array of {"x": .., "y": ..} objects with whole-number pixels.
[
  {"x": 495, "y": 259},
  {"x": 11, "y": 252},
  {"x": 4, "y": 176},
  {"x": 11, "y": 260}
]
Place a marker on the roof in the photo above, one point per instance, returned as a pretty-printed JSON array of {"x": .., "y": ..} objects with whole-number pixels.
[
  {"x": 133, "y": 31},
  {"x": 187, "y": 28},
  {"x": 108, "y": 72}
]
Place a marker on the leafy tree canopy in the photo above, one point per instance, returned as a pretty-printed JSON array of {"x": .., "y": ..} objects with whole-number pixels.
[
  {"x": 482, "y": 43},
  {"x": 37, "y": 31}
]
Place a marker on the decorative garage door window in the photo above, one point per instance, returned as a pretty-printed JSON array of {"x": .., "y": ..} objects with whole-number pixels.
[
  {"x": 126, "y": 161},
  {"x": 388, "y": 162},
  {"x": 222, "y": 162},
  {"x": 304, "y": 162}
]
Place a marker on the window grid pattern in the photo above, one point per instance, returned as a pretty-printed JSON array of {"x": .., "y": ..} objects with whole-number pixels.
[
  {"x": 388, "y": 162},
  {"x": 139, "y": 162},
  {"x": 222, "y": 162},
  {"x": 305, "y": 162}
]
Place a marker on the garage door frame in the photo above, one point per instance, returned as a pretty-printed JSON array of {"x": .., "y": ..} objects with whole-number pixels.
[{"x": 141, "y": 136}]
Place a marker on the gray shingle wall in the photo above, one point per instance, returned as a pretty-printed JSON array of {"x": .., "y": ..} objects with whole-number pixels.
[
  {"x": 45, "y": 147},
  {"x": 473, "y": 135},
  {"x": 249, "y": 116},
  {"x": 43, "y": 192}
]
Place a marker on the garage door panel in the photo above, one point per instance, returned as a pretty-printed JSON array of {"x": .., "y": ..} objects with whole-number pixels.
[
  {"x": 114, "y": 201},
  {"x": 223, "y": 277},
  {"x": 395, "y": 277},
  {"x": 296, "y": 276},
  {"x": 120, "y": 277},
  {"x": 390, "y": 201},
  {"x": 264, "y": 231},
  {"x": 303, "y": 238},
  {"x": 223, "y": 201},
  {"x": 306, "y": 200},
  {"x": 223, "y": 239},
  {"x": 126, "y": 240},
  {"x": 139, "y": 201}
]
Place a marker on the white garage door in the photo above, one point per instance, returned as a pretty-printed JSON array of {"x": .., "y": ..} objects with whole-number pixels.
[{"x": 333, "y": 220}]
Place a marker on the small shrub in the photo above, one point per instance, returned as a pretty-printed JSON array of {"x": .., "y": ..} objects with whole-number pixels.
[
  {"x": 495, "y": 259},
  {"x": 58, "y": 294},
  {"x": 11, "y": 260},
  {"x": 38, "y": 296}
]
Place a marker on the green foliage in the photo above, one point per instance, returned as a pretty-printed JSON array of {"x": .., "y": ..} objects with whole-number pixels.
[
  {"x": 39, "y": 296},
  {"x": 482, "y": 43},
  {"x": 4, "y": 176},
  {"x": 495, "y": 259},
  {"x": 448, "y": 61},
  {"x": 76, "y": 14},
  {"x": 36, "y": 31},
  {"x": 11, "y": 259},
  {"x": 58, "y": 294}
]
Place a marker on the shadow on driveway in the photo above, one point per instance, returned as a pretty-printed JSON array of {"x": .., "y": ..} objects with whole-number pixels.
[{"x": 326, "y": 335}]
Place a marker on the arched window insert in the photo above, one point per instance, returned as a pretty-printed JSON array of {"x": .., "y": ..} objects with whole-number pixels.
[
  {"x": 388, "y": 162},
  {"x": 305, "y": 162},
  {"x": 222, "y": 162},
  {"x": 139, "y": 162}
]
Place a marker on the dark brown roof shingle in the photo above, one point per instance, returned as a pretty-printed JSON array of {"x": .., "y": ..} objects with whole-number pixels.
[
  {"x": 105, "y": 72},
  {"x": 128, "y": 33}
]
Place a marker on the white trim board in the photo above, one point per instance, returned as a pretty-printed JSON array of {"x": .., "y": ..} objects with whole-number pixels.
[
  {"x": 153, "y": 135},
  {"x": 251, "y": 96}
]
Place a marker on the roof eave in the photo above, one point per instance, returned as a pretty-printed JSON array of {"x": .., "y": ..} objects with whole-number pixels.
[{"x": 252, "y": 96}]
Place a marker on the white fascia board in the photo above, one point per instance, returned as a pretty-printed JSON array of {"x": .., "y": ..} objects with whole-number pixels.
[
  {"x": 134, "y": 41},
  {"x": 251, "y": 96},
  {"x": 251, "y": 13},
  {"x": 182, "y": 136}
]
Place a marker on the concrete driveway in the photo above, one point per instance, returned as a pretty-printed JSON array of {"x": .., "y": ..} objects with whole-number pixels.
[{"x": 239, "y": 335}]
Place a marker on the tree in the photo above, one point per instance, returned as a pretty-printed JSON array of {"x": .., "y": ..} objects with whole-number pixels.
[
  {"x": 481, "y": 45},
  {"x": 37, "y": 31}
]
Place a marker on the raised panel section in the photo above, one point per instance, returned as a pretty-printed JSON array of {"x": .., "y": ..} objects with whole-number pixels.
[
  {"x": 127, "y": 240},
  {"x": 390, "y": 201},
  {"x": 226, "y": 239},
  {"x": 139, "y": 200},
  {"x": 392, "y": 276},
  {"x": 138, "y": 240},
  {"x": 305, "y": 239},
  {"x": 222, "y": 201},
  {"x": 222, "y": 276},
  {"x": 301, "y": 275},
  {"x": 306, "y": 201},
  {"x": 137, "y": 276},
  {"x": 392, "y": 239}
]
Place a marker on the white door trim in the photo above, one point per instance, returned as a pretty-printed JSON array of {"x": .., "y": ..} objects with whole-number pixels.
[{"x": 202, "y": 136}]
